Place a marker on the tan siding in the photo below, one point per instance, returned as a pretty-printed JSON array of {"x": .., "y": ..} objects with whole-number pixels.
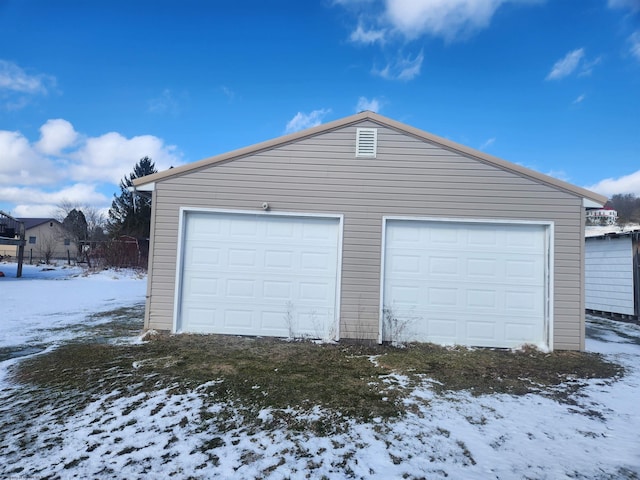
[{"x": 409, "y": 177}]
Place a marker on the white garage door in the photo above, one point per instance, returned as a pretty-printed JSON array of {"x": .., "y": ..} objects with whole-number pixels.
[
  {"x": 267, "y": 275},
  {"x": 474, "y": 284}
]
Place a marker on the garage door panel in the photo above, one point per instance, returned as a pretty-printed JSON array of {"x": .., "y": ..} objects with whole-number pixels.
[
  {"x": 271, "y": 321},
  {"x": 255, "y": 274},
  {"x": 443, "y": 331},
  {"x": 522, "y": 241},
  {"x": 278, "y": 259},
  {"x": 482, "y": 268},
  {"x": 519, "y": 332},
  {"x": 315, "y": 231},
  {"x": 527, "y": 270},
  {"x": 240, "y": 288},
  {"x": 482, "y": 298},
  {"x": 280, "y": 230},
  {"x": 241, "y": 257},
  {"x": 202, "y": 255},
  {"x": 404, "y": 294},
  {"x": 238, "y": 319},
  {"x": 443, "y": 266},
  {"x": 315, "y": 261},
  {"x": 442, "y": 296},
  {"x": 482, "y": 331},
  {"x": 524, "y": 302},
  {"x": 481, "y": 239},
  {"x": 202, "y": 320},
  {"x": 277, "y": 290},
  {"x": 241, "y": 228},
  {"x": 202, "y": 286},
  {"x": 472, "y": 284}
]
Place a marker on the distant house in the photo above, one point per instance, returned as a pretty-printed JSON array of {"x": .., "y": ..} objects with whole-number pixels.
[
  {"x": 602, "y": 216},
  {"x": 45, "y": 238},
  {"x": 612, "y": 274}
]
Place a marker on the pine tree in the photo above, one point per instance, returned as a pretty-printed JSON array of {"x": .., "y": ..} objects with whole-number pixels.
[{"x": 129, "y": 215}]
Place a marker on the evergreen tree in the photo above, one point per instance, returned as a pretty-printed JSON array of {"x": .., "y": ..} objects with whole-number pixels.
[
  {"x": 76, "y": 224},
  {"x": 131, "y": 215}
]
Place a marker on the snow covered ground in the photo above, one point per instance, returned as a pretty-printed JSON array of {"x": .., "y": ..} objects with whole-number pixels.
[
  {"x": 598, "y": 230},
  {"x": 163, "y": 434}
]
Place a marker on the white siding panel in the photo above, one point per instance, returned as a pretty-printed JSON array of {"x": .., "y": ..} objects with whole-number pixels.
[{"x": 609, "y": 275}]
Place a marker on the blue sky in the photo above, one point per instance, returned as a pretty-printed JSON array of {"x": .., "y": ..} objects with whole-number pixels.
[{"x": 87, "y": 88}]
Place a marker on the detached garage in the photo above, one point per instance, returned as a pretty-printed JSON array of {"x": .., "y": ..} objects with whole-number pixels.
[{"x": 368, "y": 229}]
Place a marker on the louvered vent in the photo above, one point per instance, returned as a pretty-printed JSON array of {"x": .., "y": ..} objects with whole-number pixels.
[{"x": 366, "y": 142}]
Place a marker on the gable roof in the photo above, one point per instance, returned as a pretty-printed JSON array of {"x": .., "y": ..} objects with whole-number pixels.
[
  {"x": 34, "y": 222},
  {"x": 590, "y": 198}
]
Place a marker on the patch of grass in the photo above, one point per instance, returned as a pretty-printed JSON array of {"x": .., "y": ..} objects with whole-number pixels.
[
  {"x": 486, "y": 371},
  {"x": 255, "y": 373},
  {"x": 251, "y": 374}
]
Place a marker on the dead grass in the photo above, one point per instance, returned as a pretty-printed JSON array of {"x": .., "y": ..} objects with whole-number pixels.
[
  {"x": 487, "y": 371},
  {"x": 257, "y": 373}
]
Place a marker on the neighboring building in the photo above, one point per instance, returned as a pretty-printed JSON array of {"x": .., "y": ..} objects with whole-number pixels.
[
  {"x": 44, "y": 237},
  {"x": 612, "y": 271},
  {"x": 366, "y": 228},
  {"x": 602, "y": 216}
]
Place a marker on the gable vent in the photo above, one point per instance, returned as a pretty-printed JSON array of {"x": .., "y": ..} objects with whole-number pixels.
[{"x": 366, "y": 142}]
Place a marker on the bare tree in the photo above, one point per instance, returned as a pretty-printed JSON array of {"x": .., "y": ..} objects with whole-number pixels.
[
  {"x": 63, "y": 208},
  {"x": 628, "y": 207},
  {"x": 47, "y": 246},
  {"x": 96, "y": 220}
]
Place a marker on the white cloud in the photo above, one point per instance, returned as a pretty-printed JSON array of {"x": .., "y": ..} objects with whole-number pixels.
[
  {"x": 360, "y": 35},
  {"x": 487, "y": 143},
  {"x": 633, "y": 5},
  {"x": 625, "y": 184},
  {"x": 448, "y": 19},
  {"x": 634, "y": 40},
  {"x": 398, "y": 21},
  {"x": 306, "y": 120},
  {"x": 33, "y": 211},
  {"x": 566, "y": 65},
  {"x": 56, "y": 135},
  {"x": 230, "y": 94},
  {"x": 372, "y": 105},
  {"x": 46, "y": 201},
  {"x": 15, "y": 79},
  {"x": 402, "y": 68},
  {"x": 165, "y": 103},
  {"x": 559, "y": 174},
  {"x": 21, "y": 163},
  {"x": 586, "y": 67},
  {"x": 580, "y": 99},
  {"x": 441, "y": 18},
  {"x": 63, "y": 164},
  {"x": 110, "y": 156},
  {"x": 17, "y": 86}
]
